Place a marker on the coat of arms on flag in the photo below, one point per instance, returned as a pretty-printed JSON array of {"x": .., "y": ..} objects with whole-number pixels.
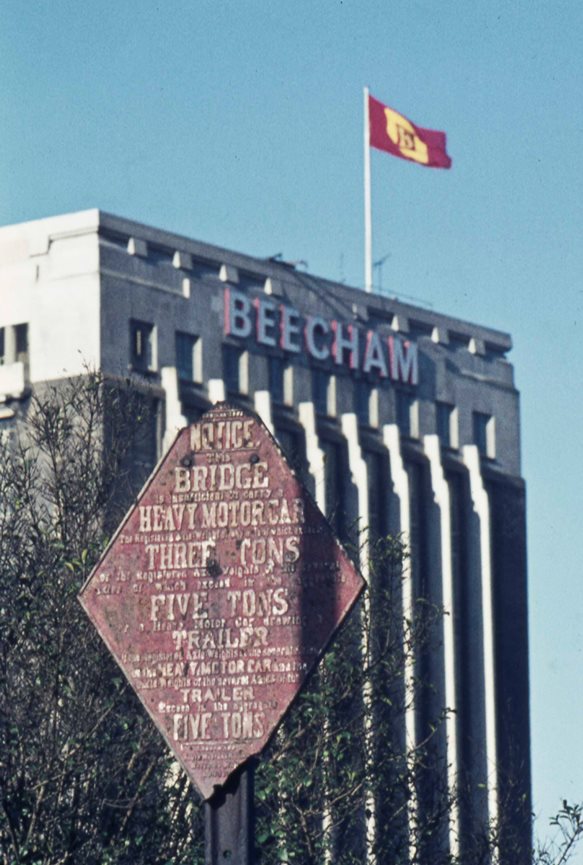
[{"x": 394, "y": 133}]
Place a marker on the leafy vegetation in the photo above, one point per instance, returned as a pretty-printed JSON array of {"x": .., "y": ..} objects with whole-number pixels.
[{"x": 85, "y": 778}]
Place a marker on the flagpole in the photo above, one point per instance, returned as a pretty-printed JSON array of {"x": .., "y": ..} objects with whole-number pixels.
[{"x": 367, "y": 200}]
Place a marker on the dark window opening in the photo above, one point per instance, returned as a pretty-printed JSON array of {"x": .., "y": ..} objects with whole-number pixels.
[
  {"x": 378, "y": 478},
  {"x": 362, "y": 397},
  {"x": 232, "y": 360},
  {"x": 276, "y": 379},
  {"x": 142, "y": 346},
  {"x": 320, "y": 388},
  {"x": 192, "y": 413},
  {"x": 185, "y": 361},
  {"x": 14, "y": 344},
  {"x": 21, "y": 341},
  {"x": 444, "y": 419},
  {"x": 335, "y": 477},
  {"x": 292, "y": 444},
  {"x": 404, "y": 411},
  {"x": 417, "y": 502},
  {"x": 483, "y": 433}
]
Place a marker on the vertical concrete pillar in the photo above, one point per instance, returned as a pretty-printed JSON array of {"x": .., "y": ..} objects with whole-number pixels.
[
  {"x": 359, "y": 477},
  {"x": 441, "y": 496},
  {"x": 262, "y": 400},
  {"x": 317, "y": 472},
  {"x": 481, "y": 509},
  {"x": 217, "y": 390},
  {"x": 400, "y": 479},
  {"x": 174, "y": 419},
  {"x": 314, "y": 453}
]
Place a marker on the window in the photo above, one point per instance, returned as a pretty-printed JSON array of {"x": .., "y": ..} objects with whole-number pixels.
[
  {"x": 145, "y": 450},
  {"x": 192, "y": 413},
  {"x": 292, "y": 444},
  {"x": 324, "y": 392},
  {"x": 407, "y": 414},
  {"x": 143, "y": 355},
  {"x": 362, "y": 392},
  {"x": 378, "y": 478},
  {"x": 484, "y": 434},
  {"x": 235, "y": 369},
  {"x": 186, "y": 356},
  {"x": 320, "y": 390},
  {"x": 281, "y": 385},
  {"x": 366, "y": 403},
  {"x": 141, "y": 449},
  {"x": 231, "y": 357},
  {"x": 418, "y": 499},
  {"x": 334, "y": 470},
  {"x": 14, "y": 343},
  {"x": 445, "y": 422},
  {"x": 21, "y": 342},
  {"x": 276, "y": 378}
]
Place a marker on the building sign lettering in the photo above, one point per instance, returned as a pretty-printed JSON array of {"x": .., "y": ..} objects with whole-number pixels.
[{"x": 274, "y": 324}]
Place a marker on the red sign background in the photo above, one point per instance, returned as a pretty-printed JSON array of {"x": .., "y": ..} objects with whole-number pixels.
[{"x": 219, "y": 592}]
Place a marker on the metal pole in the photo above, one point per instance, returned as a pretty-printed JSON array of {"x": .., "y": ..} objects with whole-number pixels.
[
  {"x": 230, "y": 821},
  {"x": 367, "y": 199}
]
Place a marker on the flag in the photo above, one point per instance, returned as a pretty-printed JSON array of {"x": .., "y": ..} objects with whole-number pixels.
[{"x": 393, "y": 133}]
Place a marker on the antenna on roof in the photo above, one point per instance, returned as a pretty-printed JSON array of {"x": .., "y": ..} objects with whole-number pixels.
[{"x": 278, "y": 258}]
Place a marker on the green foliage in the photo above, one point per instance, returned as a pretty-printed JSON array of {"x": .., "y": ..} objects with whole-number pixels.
[
  {"x": 85, "y": 778},
  {"x": 569, "y": 825},
  {"x": 338, "y": 757}
]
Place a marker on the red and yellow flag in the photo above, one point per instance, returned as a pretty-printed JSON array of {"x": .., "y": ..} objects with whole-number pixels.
[{"x": 393, "y": 133}]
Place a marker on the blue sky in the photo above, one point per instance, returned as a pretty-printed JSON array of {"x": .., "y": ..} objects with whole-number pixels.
[{"x": 240, "y": 123}]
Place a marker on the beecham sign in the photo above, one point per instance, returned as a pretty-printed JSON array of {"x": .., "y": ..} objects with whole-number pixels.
[
  {"x": 219, "y": 593},
  {"x": 278, "y": 325}
]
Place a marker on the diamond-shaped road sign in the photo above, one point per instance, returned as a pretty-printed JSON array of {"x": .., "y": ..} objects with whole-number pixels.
[{"x": 219, "y": 592}]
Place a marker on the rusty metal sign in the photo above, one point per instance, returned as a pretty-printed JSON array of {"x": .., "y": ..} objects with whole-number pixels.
[{"x": 219, "y": 592}]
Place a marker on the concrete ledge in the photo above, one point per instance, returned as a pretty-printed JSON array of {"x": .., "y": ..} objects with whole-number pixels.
[
  {"x": 137, "y": 246},
  {"x": 274, "y": 286},
  {"x": 228, "y": 273},
  {"x": 400, "y": 323},
  {"x": 182, "y": 260}
]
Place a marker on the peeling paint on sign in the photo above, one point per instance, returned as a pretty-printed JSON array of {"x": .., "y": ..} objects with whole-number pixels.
[{"x": 219, "y": 592}]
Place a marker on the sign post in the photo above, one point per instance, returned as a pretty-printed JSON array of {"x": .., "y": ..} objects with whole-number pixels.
[
  {"x": 217, "y": 596},
  {"x": 229, "y": 821}
]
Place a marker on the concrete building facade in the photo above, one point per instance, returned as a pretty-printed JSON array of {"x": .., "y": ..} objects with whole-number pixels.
[{"x": 404, "y": 419}]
